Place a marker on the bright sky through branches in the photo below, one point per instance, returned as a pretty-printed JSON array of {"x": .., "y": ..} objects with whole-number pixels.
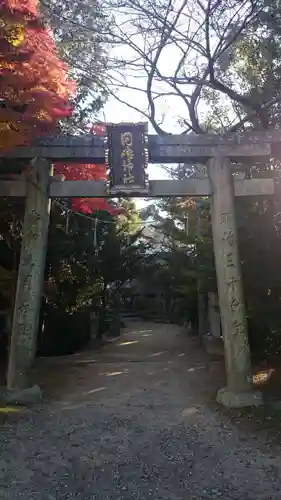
[{"x": 169, "y": 107}]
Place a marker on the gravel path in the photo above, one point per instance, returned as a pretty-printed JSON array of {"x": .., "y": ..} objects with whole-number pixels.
[{"x": 133, "y": 423}]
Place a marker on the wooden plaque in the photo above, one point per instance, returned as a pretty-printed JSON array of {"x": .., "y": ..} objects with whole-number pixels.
[{"x": 126, "y": 156}]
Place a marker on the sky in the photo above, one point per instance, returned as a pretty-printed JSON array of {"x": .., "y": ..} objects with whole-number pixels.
[
  {"x": 115, "y": 111},
  {"x": 168, "y": 108}
]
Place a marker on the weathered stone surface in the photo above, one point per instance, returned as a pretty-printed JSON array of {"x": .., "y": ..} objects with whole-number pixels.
[
  {"x": 239, "y": 400},
  {"x": 229, "y": 278},
  {"x": 24, "y": 396},
  {"x": 30, "y": 276}
]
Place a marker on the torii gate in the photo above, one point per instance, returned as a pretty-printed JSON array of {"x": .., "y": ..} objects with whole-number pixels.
[{"x": 218, "y": 152}]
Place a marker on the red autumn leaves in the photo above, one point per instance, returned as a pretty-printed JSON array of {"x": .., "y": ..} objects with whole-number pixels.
[
  {"x": 35, "y": 90},
  {"x": 88, "y": 172}
]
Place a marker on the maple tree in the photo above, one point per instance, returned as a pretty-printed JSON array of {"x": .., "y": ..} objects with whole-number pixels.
[{"x": 35, "y": 89}]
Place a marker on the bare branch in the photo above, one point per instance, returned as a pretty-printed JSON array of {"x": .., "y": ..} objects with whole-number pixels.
[{"x": 162, "y": 49}]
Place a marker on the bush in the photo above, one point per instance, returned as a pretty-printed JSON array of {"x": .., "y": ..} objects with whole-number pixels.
[{"x": 62, "y": 333}]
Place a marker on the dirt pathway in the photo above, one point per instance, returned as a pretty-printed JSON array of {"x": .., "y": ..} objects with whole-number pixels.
[{"x": 134, "y": 422}]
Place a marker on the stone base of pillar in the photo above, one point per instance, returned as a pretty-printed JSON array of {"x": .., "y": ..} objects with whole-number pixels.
[
  {"x": 231, "y": 399},
  {"x": 23, "y": 396}
]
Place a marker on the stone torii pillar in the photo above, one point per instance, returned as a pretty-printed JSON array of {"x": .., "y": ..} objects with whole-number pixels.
[
  {"x": 201, "y": 173},
  {"x": 29, "y": 285},
  {"x": 239, "y": 391}
]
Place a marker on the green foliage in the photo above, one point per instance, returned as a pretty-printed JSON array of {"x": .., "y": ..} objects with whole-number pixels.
[
  {"x": 90, "y": 259},
  {"x": 129, "y": 221},
  {"x": 79, "y": 29},
  {"x": 255, "y": 70},
  {"x": 85, "y": 257},
  {"x": 259, "y": 226},
  {"x": 250, "y": 67},
  {"x": 172, "y": 272}
]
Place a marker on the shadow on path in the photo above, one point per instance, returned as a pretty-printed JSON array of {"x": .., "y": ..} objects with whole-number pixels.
[
  {"x": 135, "y": 421},
  {"x": 144, "y": 355}
]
